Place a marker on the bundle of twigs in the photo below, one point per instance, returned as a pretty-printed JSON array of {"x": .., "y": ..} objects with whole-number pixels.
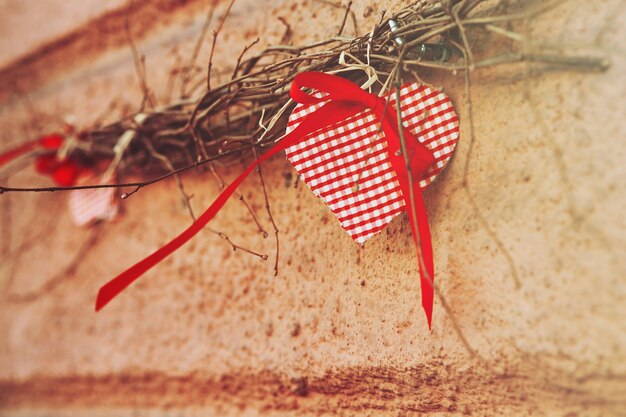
[{"x": 249, "y": 110}]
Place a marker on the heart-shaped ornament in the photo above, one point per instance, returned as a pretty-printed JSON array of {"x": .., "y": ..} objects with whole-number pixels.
[
  {"x": 88, "y": 206},
  {"x": 347, "y": 165}
]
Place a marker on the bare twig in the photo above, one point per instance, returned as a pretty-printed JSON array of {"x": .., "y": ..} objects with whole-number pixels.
[
  {"x": 345, "y": 18},
  {"x": 269, "y": 212},
  {"x": 140, "y": 63},
  {"x": 240, "y": 197},
  {"x": 138, "y": 185},
  {"x": 185, "y": 73},
  {"x": 238, "y": 247},
  {"x": 216, "y": 32},
  {"x": 288, "y": 32},
  {"x": 241, "y": 55},
  {"x": 466, "y": 185}
]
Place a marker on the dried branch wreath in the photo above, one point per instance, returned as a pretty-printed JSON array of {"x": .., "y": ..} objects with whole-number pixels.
[{"x": 248, "y": 112}]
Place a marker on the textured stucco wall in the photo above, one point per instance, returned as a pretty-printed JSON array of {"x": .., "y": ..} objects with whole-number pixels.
[{"x": 340, "y": 330}]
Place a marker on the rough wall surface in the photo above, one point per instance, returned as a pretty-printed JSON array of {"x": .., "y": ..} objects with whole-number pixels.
[{"x": 528, "y": 249}]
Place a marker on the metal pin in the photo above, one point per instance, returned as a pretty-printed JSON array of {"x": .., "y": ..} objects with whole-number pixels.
[
  {"x": 393, "y": 25},
  {"x": 434, "y": 52},
  {"x": 426, "y": 51}
]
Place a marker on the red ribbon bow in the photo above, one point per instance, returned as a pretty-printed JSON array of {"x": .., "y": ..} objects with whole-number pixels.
[
  {"x": 64, "y": 173},
  {"x": 345, "y": 99}
]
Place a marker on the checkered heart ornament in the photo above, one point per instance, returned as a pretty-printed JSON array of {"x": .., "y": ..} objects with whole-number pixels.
[{"x": 346, "y": 145}]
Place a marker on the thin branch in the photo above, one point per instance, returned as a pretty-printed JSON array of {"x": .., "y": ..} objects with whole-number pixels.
[
  {"x": 238, "y": 247},
  {"x": 458, "y": 8},
  {"x": 241, "y": 55},
  {"x": 138, "y": 184},
  {"x": 345, "y": 18},
  {"x": 288, "y": 32},
  {"x": 466, "y": 185},
  {"x": 185, "y": 74},
  {"x": 269, "y": 212},
  {"x": 139, "y": 62},
  {"x": 240, "y": 197},
  {"x": 168, "y": 165},
  {"x": 215, "y": 35}
]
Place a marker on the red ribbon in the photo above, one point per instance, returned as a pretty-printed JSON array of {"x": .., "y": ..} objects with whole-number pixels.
[
  {"x": 63, "y": 172},
  {"x": 345, "y": 99},
  {"x": 51, "y": 142}
]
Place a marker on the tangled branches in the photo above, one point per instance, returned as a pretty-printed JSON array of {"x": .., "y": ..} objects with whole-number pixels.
[{"x": 248, "y": 111}]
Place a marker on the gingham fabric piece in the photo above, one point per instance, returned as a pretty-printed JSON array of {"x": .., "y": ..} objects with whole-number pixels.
[
  {"x": 346, "y": 163},
  {"x": 90, "y": 205}
]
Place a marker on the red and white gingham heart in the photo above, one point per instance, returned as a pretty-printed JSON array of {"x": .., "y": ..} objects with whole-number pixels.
[{"x": 346, "y": 164}]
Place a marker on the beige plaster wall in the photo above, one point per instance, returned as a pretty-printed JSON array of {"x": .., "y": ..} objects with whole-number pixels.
[
  {"x": 28, "y": 24},
  {"x": 340, "y": 330}
]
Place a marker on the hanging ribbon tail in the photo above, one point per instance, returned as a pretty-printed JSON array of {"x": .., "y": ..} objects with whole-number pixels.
[
  {"x": 420, "y": 230},
  {"x": 329, "y": 113},
  {"x": 421, "y": 237},
  {"x": 420, "y": 159},
  {"x": 419, "y": 226},
  {"x": 51, "y": 142},
  {"x": 16, "y": 152},
  {"x": 118, "y": 284}
]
